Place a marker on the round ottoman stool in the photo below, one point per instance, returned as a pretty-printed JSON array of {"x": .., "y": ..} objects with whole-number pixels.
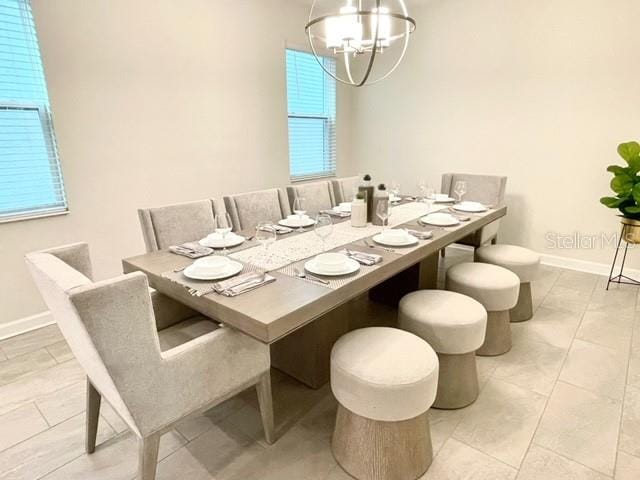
[
  {"x": 521, "y": 261},
  {"x": 496, "y": 288},
  {"x": 454, "y": 325},
  {"x": 385, "y": 380}
]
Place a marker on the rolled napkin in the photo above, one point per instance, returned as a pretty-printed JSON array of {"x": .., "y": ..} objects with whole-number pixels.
[
  {"x": 460, "y": 217},
  {"x": 281, "y": 229},
  {"x": 362, "y": 258},
  {"x": 335, "y": 213},
  {"x": 420, "y": 235},
  {"x": 242, "y": 283},
  {"x": 191, "y": 250}
]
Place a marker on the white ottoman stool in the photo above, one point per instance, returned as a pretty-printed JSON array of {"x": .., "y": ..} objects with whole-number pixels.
[
  {"x": 385, "y": 380},
  {"x": 454, "y": 325},
  {"x": 496, "y": 288},
  {"x": 521, "y": 261}
]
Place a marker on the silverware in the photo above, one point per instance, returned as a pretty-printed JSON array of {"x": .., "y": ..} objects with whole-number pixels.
[
  {"x": 248, "y": 284},
  {"x": 194, "y": 292},
  {"x": 370, "y": 245},
  {"x": 178, "y": 270},
  {"x": 420, "y": 235},
  {"x": 300, "y": 274}
]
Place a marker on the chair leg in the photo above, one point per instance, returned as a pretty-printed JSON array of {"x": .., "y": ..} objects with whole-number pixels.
[
  {"x": 93, "y": 414},
  {"x": 148, "y": 457},
  {"x": 494, "y": 240},
  {"x": 263, "y": 387}
]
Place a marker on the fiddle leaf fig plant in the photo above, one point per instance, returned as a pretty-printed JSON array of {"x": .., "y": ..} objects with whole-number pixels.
[{"x": 626, "y": 182}]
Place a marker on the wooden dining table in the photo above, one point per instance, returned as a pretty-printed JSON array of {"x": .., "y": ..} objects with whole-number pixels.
[{"x": 301, "y": 319}]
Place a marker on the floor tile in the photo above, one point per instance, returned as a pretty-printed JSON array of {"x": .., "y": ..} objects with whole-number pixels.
[
  {"x": 485, "y": 366},
  {"x": 627, "y": 467},
  {"x": 115, "y": 459},
  {"x": 179, "y": 465},
  {"x": 566, "y": 299},
  {"x": 553, "y": 326},
  {"x": 443, "y": 423},
  {"x": 579, "y": 281},
  {"x": 457, "y": 461},
  {"x": 531, "y": 364},
  {"x": 18, "y": 367},
  {"x": 38, "y": 385},
  {"x": 31, "y": 341},
  {"x": 48, "y": 450},
  {"x": 607, "y": 329},
  {"x": 543, "y": 464},
  {"x": 20, "y": 424},
  {"x": 60, "y": 351},
  {"x": 599, "y": 369},
  {"x": 582, "y": 426},
  {"x": 630, "y": 435},
  {"x": 502, "y": 421},
  {"x": 193, "y": 427}
]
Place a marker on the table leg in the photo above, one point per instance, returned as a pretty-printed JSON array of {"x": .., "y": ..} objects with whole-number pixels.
[{"x": 429, "y": 272}]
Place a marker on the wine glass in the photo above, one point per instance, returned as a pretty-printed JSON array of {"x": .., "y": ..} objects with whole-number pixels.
[
  {"x": 460, "y": 189},
  {"x": 395, "y": 188},
  {"x": 266, "y": 235},
  {"x": 223, "y": 227},
  {"x": 383, "y": 212},
  {"x": 323, "y": 227},
  {"x": 300, "y": 209},
  {"x": 422, "y": 186}
]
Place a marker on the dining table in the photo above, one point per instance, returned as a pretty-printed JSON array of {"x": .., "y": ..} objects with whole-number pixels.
[{"x": 301, "y": 318}]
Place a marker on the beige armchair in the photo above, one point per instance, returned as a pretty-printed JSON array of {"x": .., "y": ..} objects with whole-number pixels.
[
  {"x": 487, "y": 189},
  {"x": 319, "y": 196},
  {"x": 247, "y": 210},
  {"x": 152, "y": 379},
  {"x": 170, "y": 225}
]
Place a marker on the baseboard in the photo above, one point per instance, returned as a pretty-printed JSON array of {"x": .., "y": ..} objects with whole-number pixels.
[{"x": 26, "y": 324}]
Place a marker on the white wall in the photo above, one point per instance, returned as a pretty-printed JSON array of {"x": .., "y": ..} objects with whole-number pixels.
[
  {"x": 156, "y": 101},
  {"x": 541, "y": 91}
]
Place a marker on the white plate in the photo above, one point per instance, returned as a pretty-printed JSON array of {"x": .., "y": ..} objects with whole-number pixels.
[
  {"x": 409, "y": 240},
  {"x": 234, "y": 268},
  {"x": 350, "y": 266},
  {"x": 395, "y": 199},
  {"x": 230, "y": 241},
  {"x": 285, "y": 222},
  {"x": 429, "y": 220},
  {"x": 473, "y": 208},
  {"x": 443, "y": 200}
]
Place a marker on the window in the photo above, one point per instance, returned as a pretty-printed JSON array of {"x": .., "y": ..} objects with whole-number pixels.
[
  {"x": 312, "y": 116},
  {"x": 30, "y": 178}
]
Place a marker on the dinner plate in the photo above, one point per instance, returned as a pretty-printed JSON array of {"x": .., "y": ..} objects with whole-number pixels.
[
  {"x": 308, "y": 223},
  {"x": 409, "y": 240},
  {"x": 350, "y": 266},
  {"x": 470, "y": 208},
  {"x": 230, "y": 241},
  {"x": 443, "y": 200},
  {"x": 430, "y": 220},
  {"x": 232, "y": 269}
]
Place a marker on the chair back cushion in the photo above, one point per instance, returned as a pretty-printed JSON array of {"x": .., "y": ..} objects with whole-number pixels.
[
  {"x": 319, "y": 196},
  {"x": 343, "y": 188},
  {"x": 487, "y": 189},
  {"x": 247, "y": 210},
  {"x": 170, "y": 225}
]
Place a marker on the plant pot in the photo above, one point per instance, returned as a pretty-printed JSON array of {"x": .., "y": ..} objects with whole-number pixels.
[{"x": 630, "y": 230}]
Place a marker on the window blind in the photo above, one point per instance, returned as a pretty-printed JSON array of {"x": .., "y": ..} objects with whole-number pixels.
[
  {"x": 311, "y": 95},
  {"x": 30, "y": 177}
]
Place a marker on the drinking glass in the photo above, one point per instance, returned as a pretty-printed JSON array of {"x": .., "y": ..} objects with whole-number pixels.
[
  {"x": 323, "y": 227},
  {"x": 460, "y": 189},
  {"x": 223, "y": 227},
  {"x": 383, "y": 212},
  {"x": 429, "y": 197},
  {"x": 300, "y": 209},
  {"x": 422, "y": 186},
  {"x": 395, "y": 188},
  {"x": 266, "y": 235}
]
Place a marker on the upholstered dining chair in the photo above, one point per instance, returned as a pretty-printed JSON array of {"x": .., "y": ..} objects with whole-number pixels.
[
  {"x": 319, "y": 195},
  {"x": 247, "y": 210},
  {"x": 487, "y": 189},
  {"x": 343, "y": 188},
  {"x": 152, "y": 379},
  {"x": 170, "y": 225}
]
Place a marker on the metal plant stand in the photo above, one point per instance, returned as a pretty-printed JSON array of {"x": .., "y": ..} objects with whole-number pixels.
[{"x": 621, "y": 278}]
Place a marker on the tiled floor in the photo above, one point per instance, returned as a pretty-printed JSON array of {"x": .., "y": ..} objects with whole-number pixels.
[{"x": 564, "y": 403}]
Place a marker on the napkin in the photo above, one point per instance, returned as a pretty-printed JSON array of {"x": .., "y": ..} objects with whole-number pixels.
[
  {"x": 335, "y": 213},
  {"x": 242, "y": 283},
  {"x": 362, "y": 258},
  {"x": 280, "y": 229},
  {"x": 191, "y": 250}
]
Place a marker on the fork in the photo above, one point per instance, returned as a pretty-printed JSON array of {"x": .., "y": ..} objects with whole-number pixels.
[
  {"x": 194, "y": 292},
  {"x": 313, "y": 278},
  {"x": 370, "y": 245}
]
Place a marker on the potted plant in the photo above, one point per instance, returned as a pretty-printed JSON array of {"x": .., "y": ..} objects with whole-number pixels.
[{"x": 626, "y": 186}]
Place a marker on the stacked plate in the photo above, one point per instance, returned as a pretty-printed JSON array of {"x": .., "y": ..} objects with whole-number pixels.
[
  {"x": 470, "y": 207},
  {"x": 332, "y": 265},
  {"x": 212, "y": 268},
  {"x": 394, "y": 198},
  {"x": 297, "y": 221},
  {"x": 215, "y": 240},
  {"x": 395, "y": 238},
  {"x": 440, "y": 219}
]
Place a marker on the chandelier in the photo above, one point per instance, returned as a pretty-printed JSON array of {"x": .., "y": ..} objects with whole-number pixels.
[{"x": 367, "y": 38}]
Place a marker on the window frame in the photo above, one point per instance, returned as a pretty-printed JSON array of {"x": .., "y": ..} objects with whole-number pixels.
[{"x": 329, "y": 124}]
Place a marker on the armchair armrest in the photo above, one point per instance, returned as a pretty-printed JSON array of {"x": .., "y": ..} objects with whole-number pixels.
[{"x": 168, "y": 311}]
